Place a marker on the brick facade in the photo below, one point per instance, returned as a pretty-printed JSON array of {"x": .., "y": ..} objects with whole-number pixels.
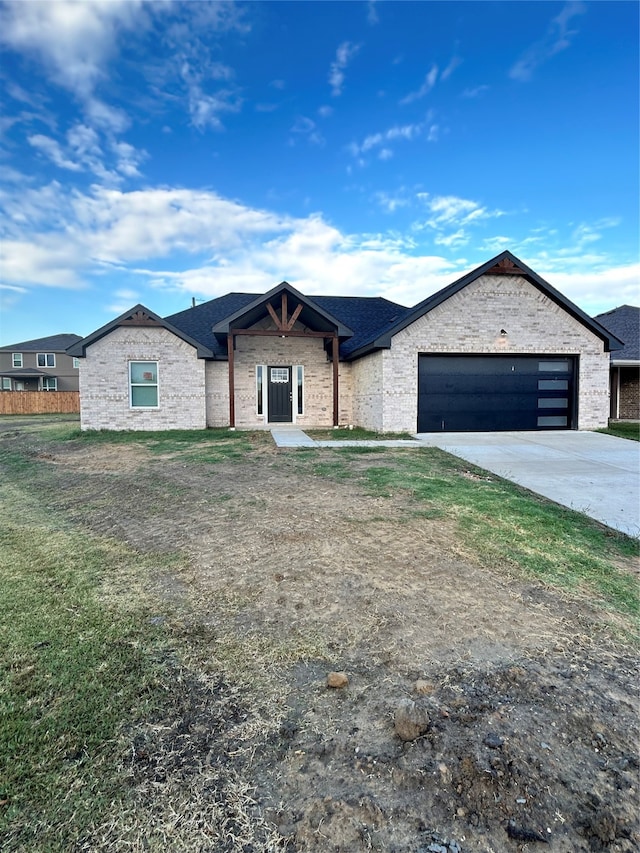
[
  {"x": 104, "y": 382},
  {"x": 470, "y": 322},
  {"x": 276, "y": 351},
  {"x": 378, "y": 391}
]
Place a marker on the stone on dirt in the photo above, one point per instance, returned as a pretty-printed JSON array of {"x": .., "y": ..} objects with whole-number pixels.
[
  {"x": 337, "y": 679},
  {"x": 411, "y": 719}
]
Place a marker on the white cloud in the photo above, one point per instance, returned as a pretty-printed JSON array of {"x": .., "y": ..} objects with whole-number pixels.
[
  {"x": 345, "y": 53},
  {"x": 475, "y": 91},
  {"x": 405, "y": 132},
  {"x": 454, "y": 62},
  {"x": 325, "y": 111},
  {"x": 51, "y": 149},
  {"x": 429, "y": 82},
  {"x": 306, "y": 127},
  {"x": 557, "y": 38},
  {"x": 211, "y": 245},
  {"x": 74, "y": 40},
  {"x": 372, "y": 13}
]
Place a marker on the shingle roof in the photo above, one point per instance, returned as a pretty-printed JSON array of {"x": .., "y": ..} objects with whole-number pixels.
[
  {"x": 367, "y": 316},
  {"x": 54, "y": 343},
  {"x": 624, "y": 323}
]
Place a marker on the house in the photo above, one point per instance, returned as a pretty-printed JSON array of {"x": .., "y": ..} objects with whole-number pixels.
[
  {"x": 497, "y": 349},
  {"x": 624, "y": 323},
  {"x": 40, "y": 365}
]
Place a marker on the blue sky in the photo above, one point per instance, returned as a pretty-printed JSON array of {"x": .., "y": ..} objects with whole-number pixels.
[{"x": 158, "y": 152}]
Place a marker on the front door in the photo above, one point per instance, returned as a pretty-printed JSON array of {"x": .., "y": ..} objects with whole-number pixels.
[{"x": 279, "y": 395}]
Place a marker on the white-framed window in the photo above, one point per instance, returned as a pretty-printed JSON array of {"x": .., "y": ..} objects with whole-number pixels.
[
  {"x": 279, "y": 374},
  {"x": 143, "y": 384},
  {"x": 259, "y": 389},
  {"x": 16, "y": 359},
  {"x": 6, "y": 383},
  {"x": 46, "y": 359},
  {"x": 49, "y": 383},
  {"x": 76, "y": 362},
  {"x": 299, "y": 374}
]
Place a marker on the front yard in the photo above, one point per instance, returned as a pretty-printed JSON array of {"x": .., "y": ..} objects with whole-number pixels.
[{"x": 173, "y": 603}]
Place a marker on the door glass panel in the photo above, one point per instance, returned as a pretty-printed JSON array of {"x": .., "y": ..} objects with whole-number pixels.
[
  {"x": 279, "y": 374},
  {"x": 553, "y": 366},
  {"x": 553, "y": 402},
  {"x": 552, "y": 420},
  {"x": 553, "y": 384}
]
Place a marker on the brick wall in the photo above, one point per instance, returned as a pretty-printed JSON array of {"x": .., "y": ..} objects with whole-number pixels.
[
  {"x": 290, "y": 351},
  {"x": 104, "y": 382},
  {"x": 629, "y": 394},
  {"x": 470, "y": 322},
  {"x": 368, "y": 392}
]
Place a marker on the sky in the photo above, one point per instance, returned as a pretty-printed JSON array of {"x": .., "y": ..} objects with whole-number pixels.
[{"x": 165, "y": 152}]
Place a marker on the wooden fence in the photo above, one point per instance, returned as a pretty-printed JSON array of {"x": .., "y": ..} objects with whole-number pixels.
[{"x": 39, "y": 402}]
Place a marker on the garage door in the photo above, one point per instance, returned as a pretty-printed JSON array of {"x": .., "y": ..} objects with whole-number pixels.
[{"x": 486, "y": 393}]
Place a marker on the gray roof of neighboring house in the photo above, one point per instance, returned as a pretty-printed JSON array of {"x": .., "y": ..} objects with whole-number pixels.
[
  {"x": 624, "y": 323},
  {"x": 53, "y": 343}
]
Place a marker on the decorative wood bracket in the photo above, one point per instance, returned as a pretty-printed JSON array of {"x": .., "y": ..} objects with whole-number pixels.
[
  {"x": 140, "y": 318},
  {"x": 284, "y": 323},
  {"x": 505, "y": 267}
]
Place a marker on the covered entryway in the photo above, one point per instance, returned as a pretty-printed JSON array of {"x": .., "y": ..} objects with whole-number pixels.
[
  {"x": 488, "y": 393},
  {"x": 279, "y": 395}
]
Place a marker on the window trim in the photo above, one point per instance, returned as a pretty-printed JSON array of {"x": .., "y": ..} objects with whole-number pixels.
[
  {"x": 260, "y": 375},
  {"x": 155, "y": 384},
  {"x": 299, "y": 391},
  {"x": 17, "y": 359},
  {"x": 7, "y": 384},
  {"x": 45, "y": 358},
  {"x": 47, "y": 380},
  {"x": 76, "y": 361}
]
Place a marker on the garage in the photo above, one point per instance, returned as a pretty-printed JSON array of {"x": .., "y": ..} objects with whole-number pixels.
[{"x": 487, "y": 393}]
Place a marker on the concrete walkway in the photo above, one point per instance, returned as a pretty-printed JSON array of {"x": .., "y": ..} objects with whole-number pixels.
[
  {"x": 294, "y": 437},
  {"x": 592, "y": 473}
]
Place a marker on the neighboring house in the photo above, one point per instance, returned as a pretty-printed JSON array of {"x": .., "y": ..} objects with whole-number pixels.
[
  {"x": 498, "y": 349},
  {"x": 624, "y": 323},
  {"x": 40, "y": 365}
]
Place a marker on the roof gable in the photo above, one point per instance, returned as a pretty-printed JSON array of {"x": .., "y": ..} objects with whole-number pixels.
[
  {"x": 503, "y": 264},
  {"x": 139, "y": 316},
  {"x": 275, "y": 304}
]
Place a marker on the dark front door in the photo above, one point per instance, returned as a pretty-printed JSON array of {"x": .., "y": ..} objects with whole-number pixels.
[
  {"x": 487, "y": 393},
  {"x": 280, "y": 396}
]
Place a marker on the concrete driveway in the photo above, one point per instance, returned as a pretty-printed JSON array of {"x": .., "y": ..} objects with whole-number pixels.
[{"x": 590, "y": 472}]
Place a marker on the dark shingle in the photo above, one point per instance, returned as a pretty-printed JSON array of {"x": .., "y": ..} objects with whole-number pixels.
[
  {"x": 367, "y": 316},
  {"x": 54, "y": 343},
  {"x": 624, "y": 323}
]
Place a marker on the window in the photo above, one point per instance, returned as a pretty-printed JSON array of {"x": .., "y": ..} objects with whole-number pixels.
[
  {"x": 553, "y": 366},
  {"x": 143, "y": 382},
  {"x": 49, "y": 383},
  {"x": 300, "y": 388},
  {"x": 46, "y": 359},
  {"x": 76, "y": 362},
  {"x": 259, "y": 375},
  {"x": 16, "y": 359},
  {"x": 279, "y": 374},
  {"x": 6, "y": 383}
]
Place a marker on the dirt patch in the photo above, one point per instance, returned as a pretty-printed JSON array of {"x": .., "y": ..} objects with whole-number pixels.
[{"x": 532, "y": 711}]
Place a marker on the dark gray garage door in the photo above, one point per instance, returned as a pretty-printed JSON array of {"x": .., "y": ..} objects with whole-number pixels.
[{"x": 462, "y": 393}]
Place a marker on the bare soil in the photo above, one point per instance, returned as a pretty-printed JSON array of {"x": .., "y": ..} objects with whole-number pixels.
[{"x": 531, "y": 738}]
